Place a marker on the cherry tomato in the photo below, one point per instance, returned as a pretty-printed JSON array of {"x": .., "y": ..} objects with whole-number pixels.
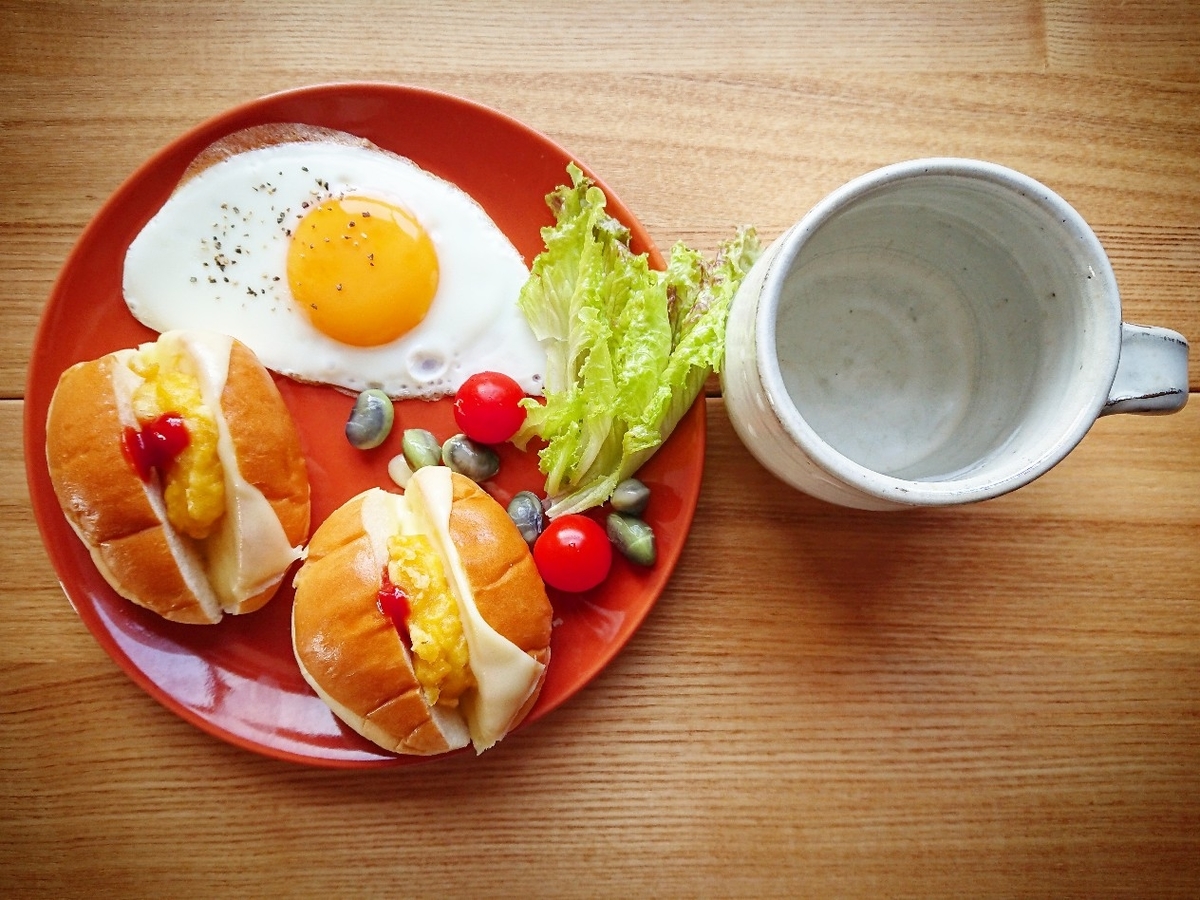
[
  {"x": 573, "y": 553},
  {"x": 487, "y": 407}
]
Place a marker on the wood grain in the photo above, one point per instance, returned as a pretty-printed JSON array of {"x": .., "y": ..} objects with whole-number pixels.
[
  {"x": 1001, "y": 700},
  {"x": 697, "y": 133},
  {"x": 823, "y": 700}
]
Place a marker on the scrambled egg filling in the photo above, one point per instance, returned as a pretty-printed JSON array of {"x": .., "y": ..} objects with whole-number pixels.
[
  {"x": 439, "y": 647},
  {"x": 194, "y": 484}
]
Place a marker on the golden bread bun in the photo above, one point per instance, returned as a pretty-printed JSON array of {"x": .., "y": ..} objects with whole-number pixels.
[
  {"x": 503, "y": 575},
  {"x": 268, "y": 451},
  {"x": 105, "y": 501},
  {"x": 121, "y": 519},
  {"x": 348, "y": 649},
  {"x": 357, "y": 661}
]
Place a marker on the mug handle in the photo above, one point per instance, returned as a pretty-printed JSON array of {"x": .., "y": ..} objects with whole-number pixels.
[{"x": 1152, "y": 375}]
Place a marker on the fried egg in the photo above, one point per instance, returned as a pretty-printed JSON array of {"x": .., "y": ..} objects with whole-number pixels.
[{"x": 340, "y": 264}]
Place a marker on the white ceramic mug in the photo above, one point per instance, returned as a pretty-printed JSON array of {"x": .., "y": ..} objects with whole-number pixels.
[{"x": 937, "y": 331}]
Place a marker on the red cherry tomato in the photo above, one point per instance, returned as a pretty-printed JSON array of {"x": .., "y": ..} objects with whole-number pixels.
[
  {"x": 487, "y": 407},
  {"x": 573, "y": 554}
]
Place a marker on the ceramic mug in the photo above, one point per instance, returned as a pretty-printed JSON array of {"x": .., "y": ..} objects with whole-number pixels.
[{"x": 934, "y": 332}]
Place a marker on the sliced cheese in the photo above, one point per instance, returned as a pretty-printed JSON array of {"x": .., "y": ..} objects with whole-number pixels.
[
  {"x": 385, "y": 514},
  {"x": 505, "y": 674},
  {"x": 183, "y": 549},
  {"x": 249, "y": 549}
]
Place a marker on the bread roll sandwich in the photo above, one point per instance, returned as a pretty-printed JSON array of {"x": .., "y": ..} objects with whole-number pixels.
[
  {"x": 179, "y": 466},
  {"x": 420, "y": 619}
]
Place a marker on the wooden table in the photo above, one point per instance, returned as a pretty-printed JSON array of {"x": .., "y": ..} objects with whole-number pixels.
[{"x": 997, "y": 700}]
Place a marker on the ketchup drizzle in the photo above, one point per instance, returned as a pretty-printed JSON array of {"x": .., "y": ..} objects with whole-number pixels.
[
  {"x": 156, "y": 444},
  {"x": 393, "y": 603}
]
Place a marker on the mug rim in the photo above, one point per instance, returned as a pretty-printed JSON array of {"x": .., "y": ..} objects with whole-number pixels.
[{"x": 917, "y": 492}]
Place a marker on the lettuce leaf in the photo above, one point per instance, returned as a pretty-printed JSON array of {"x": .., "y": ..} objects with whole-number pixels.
[{"x": 628, "y": 348}]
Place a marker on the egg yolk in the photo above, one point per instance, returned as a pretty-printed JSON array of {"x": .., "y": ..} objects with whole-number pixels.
[
  {"x": 194, "y": 483},
  {"x": 364, "y": 271},
  {"x": 439, "y": 648}
]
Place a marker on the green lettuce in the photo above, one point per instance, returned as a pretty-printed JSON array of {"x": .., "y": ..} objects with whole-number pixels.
[{"x": 628, "y": 348}]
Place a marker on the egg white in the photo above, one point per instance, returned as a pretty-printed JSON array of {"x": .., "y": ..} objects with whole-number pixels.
[{"x": 214, "y": 258}]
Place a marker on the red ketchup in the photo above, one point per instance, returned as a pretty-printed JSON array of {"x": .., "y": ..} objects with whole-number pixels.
[
  {"x": 156, "y": 444},
  {"x": 393, "y": 603}
]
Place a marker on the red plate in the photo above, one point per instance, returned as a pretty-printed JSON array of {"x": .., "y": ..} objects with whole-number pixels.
[{"x": 238, "y": 680}]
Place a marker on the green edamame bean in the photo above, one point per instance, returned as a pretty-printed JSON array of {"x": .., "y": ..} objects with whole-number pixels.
[
  {"x": 630, "y": 497},
  {"x": 420, "y": 448},
  {"x": 525, "y": 509},
  {"x": 632, "y": 537},
  {"x": 370, "y": 420},
  {"x": 467, "y": 457}
]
